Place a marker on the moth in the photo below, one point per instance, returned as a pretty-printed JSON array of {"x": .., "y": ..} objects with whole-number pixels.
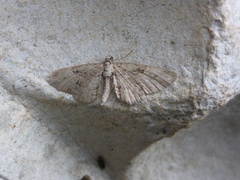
[{"x": 131, "y": 82}]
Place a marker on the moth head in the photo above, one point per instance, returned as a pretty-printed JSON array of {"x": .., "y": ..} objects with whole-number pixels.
[{"x": 109, "y": 59}]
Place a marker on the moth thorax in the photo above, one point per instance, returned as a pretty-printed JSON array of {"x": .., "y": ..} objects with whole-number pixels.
[
  {"x": 109, "y": 58},
  {"x": 107, "y": 74},
  {"x": 107, "y": 69}
]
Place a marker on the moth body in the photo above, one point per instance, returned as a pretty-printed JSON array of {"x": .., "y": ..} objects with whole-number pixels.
[{"x": 107, "y": 74}]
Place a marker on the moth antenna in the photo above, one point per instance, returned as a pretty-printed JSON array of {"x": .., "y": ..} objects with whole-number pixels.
[{"x": 124, "y": 56}]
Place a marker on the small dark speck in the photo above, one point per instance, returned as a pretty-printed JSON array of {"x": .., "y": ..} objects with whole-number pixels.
[
  {"x": 141, "y": 70},
  {"x": 218, "y": 23},
  {"x": 35, "y": 45},
  {"x": 78, "y": 83},
  {"x": 164, "y": 130},
  {"x": 25, "y": 85},
  {"x": 86, "y": 177},
  {"x": 172, "y": 42},
  {"x": 77, "y": 71},
  {"x": 101, "y": 162}
]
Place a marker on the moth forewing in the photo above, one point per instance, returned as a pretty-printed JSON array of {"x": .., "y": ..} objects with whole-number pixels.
[
  {"x": 133, "y": 82},
  {"x": 81, "y": 81}
]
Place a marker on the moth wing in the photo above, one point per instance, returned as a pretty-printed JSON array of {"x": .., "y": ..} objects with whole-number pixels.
[
  {"x": 81, "y": 81},
  {"x": 133, "y": 82},
  {"x": 125, "y": 90}
]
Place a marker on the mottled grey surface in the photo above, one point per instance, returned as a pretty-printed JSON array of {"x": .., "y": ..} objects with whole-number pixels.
[
  {"x": 209, "y": 149},
  {"x": 45, "y": 134}
]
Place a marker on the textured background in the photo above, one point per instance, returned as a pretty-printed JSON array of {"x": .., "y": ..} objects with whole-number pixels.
[
  {"x": 44, "y": 134},
  {"x": 209, "y": 149}
]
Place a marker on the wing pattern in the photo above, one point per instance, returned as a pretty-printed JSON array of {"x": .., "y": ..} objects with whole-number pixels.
[
  {"x": 80, "y": 81},
  {"x": 132, "y": 82}
]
